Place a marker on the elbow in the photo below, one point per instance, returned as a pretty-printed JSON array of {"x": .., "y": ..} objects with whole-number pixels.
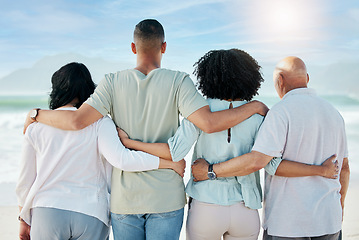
[
  {"x": 208, "y": 126},
  {"x": 257, "y": 165},
  {"x": 76, "y": 123}
]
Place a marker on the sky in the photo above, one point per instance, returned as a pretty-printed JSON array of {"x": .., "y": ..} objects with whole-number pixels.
[{"x": 321, "y": 32}]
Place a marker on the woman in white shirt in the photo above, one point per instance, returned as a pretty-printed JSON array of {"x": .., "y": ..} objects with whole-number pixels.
[{"x": 64, "y": 183}]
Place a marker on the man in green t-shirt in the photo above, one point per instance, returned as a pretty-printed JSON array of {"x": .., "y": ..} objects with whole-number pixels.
[{"x": 146, "y": 102}]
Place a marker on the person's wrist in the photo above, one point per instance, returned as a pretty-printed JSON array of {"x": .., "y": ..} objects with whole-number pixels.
[
  {"x": 34, "y": 114},
  {"x": 20, "y": 220},
  {"x": 319, "y": 170}
]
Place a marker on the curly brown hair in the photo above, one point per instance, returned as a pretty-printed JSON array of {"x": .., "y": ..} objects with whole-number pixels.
[{"x": 228, "y": 74}]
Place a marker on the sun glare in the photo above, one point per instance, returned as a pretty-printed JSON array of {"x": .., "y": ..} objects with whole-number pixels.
[{"x": 283, "y": 19}]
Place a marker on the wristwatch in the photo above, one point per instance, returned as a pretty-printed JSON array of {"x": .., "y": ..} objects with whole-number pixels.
[
  {"x": 34, "y": 113},
  {"x": 211, "y": 175}
]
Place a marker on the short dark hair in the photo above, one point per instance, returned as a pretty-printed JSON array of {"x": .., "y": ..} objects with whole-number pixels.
[
  {"x": 72, "y": 81},
  {"x": 228, "y": 74},
  {"x": 149, "y": 30}
]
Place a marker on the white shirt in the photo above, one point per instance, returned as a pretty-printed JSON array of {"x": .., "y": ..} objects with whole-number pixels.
[
  {"x": 302, "y": 127},
  {"x": 65, "y": 169}
]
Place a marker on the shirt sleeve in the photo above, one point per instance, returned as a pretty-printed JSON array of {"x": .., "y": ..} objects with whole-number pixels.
[
  {"x": 27, "y": 169},
  {"x": 272, "y": 135},
  {"x": 117, "y": 155},
  {"x": 102, "y": 98},
  {"x": 181, "y": 143},
  {"x": 272, "y": 166},
  {"x": 189, "y": 99}
]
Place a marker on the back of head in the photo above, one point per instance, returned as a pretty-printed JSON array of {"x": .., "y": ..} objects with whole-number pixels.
[
  {"x": 293, "y": 71},
  {"x": 228, "y": 74},
  {"x": 148, "y": 35},
  {"x": 71, "y": 82}
]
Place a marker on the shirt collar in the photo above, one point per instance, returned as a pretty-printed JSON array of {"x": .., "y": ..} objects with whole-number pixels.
[{"x": 301, "y": 91}]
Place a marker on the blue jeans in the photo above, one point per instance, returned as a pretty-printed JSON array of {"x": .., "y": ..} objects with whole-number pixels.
[{"x": 154, "y": 226}]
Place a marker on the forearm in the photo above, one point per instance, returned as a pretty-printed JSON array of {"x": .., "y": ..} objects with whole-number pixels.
[
  {"x": 242, "y": 165},
  {"x": 59, "y": 119},
  {"x": 211, "y": 122},
  {"x": 69, "y": 120},
  {"x": 157, "y": 149},
  {"x": 344, "y": 180},
  {"x": 295, "y": 169},
  {"x": 117, "y": 155}
]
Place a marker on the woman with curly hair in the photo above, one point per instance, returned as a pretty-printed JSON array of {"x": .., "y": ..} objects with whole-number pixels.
[
  {"x": 64, "y": 183},
  {"x": 219, "y": 207}
]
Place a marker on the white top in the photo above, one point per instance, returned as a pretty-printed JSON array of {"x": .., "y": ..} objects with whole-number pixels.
[
  {"x": 65, "y": 169},
  {"x": 303, "y": 128}
]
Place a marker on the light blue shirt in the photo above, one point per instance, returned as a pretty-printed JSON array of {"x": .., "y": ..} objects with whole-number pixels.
[{"x": 215, "y": 148}]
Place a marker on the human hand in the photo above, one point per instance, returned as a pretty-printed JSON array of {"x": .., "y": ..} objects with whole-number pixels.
[
  {"x": 28, "y": 121},
  {"x": 24, "y": 231},
  {"x": 200, "y": 170},
  {"x": 330, "y": 168},
  {"x": 179, "y": 167},
  {"x": 262, "y": 108}
]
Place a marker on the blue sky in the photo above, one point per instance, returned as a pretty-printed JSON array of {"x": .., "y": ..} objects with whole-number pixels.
[{"x": 320, "y": 31}]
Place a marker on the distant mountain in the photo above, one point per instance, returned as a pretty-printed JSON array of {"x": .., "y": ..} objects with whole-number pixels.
[
  {"x": 338, "y": 78},
  {"x": 37, "y": 79},
  {"x": 335, "y": 79}
]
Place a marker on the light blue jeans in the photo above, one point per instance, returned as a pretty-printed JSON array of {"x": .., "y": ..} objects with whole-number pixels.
[
  {"x": 58, "y": 224},
  {"x": 155, "y": 226}
]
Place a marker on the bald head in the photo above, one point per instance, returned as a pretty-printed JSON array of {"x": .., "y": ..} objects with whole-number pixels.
[{"x": 290, "y": 73}]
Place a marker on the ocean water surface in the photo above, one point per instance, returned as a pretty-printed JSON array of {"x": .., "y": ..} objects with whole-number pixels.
[{"x": 13, "y": 110}]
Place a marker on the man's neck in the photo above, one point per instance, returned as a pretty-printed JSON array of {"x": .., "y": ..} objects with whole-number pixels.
[{"x": 147, "y": 63}]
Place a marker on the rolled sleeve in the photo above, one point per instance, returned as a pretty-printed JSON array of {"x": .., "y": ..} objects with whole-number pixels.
[
  {"x": 181, "y": 143},
  {"x": 272, "y": 166}
]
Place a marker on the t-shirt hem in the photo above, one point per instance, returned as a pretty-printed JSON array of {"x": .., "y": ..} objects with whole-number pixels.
[{"x": 146, "y": 210}]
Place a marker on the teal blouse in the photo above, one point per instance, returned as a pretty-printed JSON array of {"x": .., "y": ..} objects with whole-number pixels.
[{"x": 215, "y": 148}]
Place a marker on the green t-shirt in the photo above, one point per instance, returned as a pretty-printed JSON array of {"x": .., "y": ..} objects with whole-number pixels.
[{"x": 147, "y": 107}]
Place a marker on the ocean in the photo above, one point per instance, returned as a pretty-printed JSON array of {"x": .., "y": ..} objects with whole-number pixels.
[{"x": 13, "y": 110}]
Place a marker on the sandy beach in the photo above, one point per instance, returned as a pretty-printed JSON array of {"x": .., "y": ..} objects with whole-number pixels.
[{"x": 9, "y": 222}]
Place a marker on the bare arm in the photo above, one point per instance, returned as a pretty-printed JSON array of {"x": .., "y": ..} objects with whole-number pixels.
[
  {"x": 238, "y": 166},
  {"x": 178, "y": 167},
  {"x": 254, "y": 161},
  {"x": 328, "y": 169},
  {"x": 157, "y": 149},
  {"x": 211, "y": 122},
  {"x": 344, "y": 181},
  {"x": 67, "y": 120}
]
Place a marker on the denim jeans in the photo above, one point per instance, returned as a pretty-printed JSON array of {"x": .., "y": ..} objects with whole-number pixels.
[{"x": 154, "y": 226}]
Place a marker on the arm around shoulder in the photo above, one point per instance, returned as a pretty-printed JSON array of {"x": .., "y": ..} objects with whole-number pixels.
[
  {"x": 70, "y": 120},
  {"x": 211, "y": 122}
]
